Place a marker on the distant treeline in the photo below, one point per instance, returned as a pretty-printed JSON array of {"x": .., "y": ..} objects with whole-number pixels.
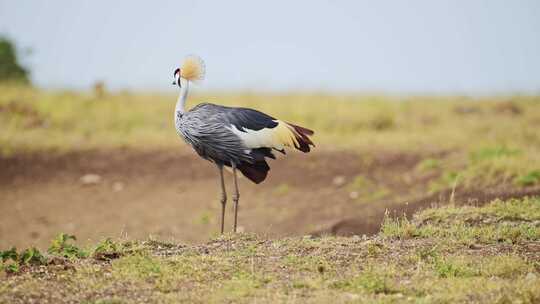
[{"x": 10, "y": 68}]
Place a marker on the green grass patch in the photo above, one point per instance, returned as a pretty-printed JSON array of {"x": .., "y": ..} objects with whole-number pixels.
[
  {"x": 429, "y": 164},
  {"x": 494, "y": 152},
  {"x": 12, "y": 261},
  {"x": 368, "y": 281},
  {"x": 529, "y": 179},
  {"x": 61, "y": 246},
  {"x": 509, "y": 221},
  {"x": 400, "y": 228}
]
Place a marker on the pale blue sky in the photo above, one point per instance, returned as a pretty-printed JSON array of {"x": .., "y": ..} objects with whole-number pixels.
[{"x": 428, "y": 46}]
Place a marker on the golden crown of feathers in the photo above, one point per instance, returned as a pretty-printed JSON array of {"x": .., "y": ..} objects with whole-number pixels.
[{"x": 193, "y": 68}]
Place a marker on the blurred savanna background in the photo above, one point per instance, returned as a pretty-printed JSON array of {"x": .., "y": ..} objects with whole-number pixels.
[{"x": 414, "y": 105}]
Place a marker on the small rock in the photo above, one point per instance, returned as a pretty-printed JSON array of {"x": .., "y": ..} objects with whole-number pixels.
[
  {"x": 118, "y": 186},
  {"x": 339, "y": 180},
  {"x": 475, "y": 247},
  {"x": 90, "y": 179},
  {"x": 530, "y": 276},
  {"x": 354, "y": 195},
  {"x": 56, "y": 260}
]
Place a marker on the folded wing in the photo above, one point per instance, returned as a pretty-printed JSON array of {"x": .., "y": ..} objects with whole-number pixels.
[
  {"x": 259, "y": 130},
  {"x": 242, "y": 136}
]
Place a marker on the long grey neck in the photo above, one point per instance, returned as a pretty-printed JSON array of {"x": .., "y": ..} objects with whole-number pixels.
[{"x": 182, "y": 97}]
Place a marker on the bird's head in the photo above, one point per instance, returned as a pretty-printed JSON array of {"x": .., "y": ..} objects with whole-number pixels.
[
  {"x": 192, "y": 69},
  {"x": 176, "y": 77}
]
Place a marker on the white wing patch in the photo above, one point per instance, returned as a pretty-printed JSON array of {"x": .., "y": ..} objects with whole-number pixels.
[{"x": 278, "y": 137}]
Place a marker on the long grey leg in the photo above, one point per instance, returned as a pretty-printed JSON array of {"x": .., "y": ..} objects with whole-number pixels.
[
  {"x": 223, "y": 197},
  {"x": 236, "y": 197}
]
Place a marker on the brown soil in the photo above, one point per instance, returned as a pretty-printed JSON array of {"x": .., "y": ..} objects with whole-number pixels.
[{"x": 174, "y": 194}]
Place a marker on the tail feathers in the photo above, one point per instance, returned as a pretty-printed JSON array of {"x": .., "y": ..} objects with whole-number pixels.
[
  {"x": 260, "y": 153},
  {"x": 302, "y": 138},
  {"x": 256, "y": 172},
  {"x": 286, "y": 134},
  {"x": 302, "y": 129}
]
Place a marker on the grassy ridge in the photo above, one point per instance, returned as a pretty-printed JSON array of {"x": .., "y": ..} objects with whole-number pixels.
[
  {"x": 426, "y": 260},
  {"x": 34, "y": 119}
]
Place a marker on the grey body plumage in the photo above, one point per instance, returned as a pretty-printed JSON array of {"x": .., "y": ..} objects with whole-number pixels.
[{"x": 205, "y": 129}]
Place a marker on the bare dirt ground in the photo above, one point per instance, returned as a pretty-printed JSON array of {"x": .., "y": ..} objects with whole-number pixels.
[{"x": 173, "y": 194}]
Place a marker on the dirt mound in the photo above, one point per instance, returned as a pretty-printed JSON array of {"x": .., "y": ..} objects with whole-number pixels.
[{"x": 372, "y": 224}]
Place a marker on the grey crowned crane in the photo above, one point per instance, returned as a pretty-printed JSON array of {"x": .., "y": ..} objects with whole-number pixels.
[{"x": 239, "y": 138}]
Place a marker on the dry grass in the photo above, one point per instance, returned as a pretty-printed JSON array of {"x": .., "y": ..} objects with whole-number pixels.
[
  {"x": 486, "y": 140},
  {"x": 69, "y": 120}
]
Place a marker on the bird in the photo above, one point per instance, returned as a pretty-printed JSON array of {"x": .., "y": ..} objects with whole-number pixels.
[{"x": 234, "y": 137}]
